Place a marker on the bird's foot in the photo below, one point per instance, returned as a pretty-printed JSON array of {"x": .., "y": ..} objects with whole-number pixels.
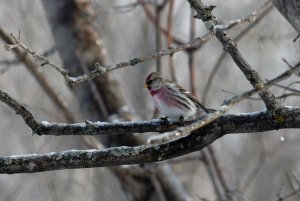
[
  {"x": 181, "y": 120},
  {"x": 164, "y": 120}
]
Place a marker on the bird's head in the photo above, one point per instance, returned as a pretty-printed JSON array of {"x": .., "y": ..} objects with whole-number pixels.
[{"x": 154, "y": 81}]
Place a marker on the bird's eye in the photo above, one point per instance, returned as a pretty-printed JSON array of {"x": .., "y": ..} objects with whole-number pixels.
[{"x": 149, "y": 82}]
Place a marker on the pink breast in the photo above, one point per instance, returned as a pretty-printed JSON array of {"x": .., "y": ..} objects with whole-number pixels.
[
  {"x": 153, "y": 92},
  {"x": 163, "y": 95}
]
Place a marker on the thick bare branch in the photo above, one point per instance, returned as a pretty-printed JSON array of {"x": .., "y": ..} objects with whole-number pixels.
[
  {"x": 285, "y": 117},
  {"x": 218, "y": 63}
]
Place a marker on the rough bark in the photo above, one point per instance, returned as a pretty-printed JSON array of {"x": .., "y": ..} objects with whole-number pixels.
[
  {"x": 286, "y": 117},
  {"x": 290, "y": 9}
]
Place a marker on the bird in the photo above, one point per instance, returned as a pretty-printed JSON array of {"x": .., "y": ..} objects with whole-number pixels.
[{"x": 173, "y": 101}]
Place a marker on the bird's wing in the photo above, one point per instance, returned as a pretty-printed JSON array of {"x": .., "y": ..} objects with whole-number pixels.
[
  {"x": 193, "y": 98},
  {"x": 190, "y": 96}
]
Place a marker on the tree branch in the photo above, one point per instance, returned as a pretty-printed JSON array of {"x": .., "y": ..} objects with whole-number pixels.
[
  {"x": 98, "y": 128},
  {"x": 32, "y": 67},
  {"x": 99, "y": 70},
  {"x": 218, "y": 63},
  {"x": 290, "y": 10},
  {"x": 251, "y": 18},
  {"x": 204, "y": 13},
  {"x": 20, "y": 110},
  {"x": 285, "y": 117},
  {"x": 186, "y": 130}
]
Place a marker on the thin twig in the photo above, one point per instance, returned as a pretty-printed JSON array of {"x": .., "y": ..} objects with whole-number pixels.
[
  {"x": 131, "y": 6},
  {"x": 287, "y": 196},
  {"x": 297, "y": 37},
  {"x": 251, "y": 18},
  {"x": 209, "y": 168},
  {"x": 289, "y": 177},
  {"x": 172, "y": 187},
  {"x": 158, "y": 188},
  {"x": 283, "y": 96},
  {"x": 287, "y": 88},
  {"x": 290, "y": 66},
  {"x": 158, "y": 10},
  {"x": 18, "y": 43},
  {"x": 219, "y": 173},
  {"x": 191, "y": 60},
  {"x": 152, "y": 19},
  {"x": 170, "y": 39},
  {"x": 33, "y": 69},
  {"x": 99, "y": 70},
  {"x": 14, "y": 62}
]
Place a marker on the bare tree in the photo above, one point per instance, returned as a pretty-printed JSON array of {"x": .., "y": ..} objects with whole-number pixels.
[{"x": 107, "y": 115}]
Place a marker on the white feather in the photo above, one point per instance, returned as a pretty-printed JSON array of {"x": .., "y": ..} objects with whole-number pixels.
[{"x": 173, "y": 112}]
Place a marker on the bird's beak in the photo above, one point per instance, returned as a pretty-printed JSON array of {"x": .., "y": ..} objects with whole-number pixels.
[{"x": 146, "y": 86}]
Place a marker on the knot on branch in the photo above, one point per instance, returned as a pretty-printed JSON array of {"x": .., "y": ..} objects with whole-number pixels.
[
  {"x": 8, "y": 47},
  {"x": 89, "y": 125},
  {"x": 100, "y": 68},
  {"x": 259, "y": 86},
  {"x": 278, "y": 116},
  {"x": 229, "y": 45},
  {"x": 38, "y": 127},
  {"x": 70, "y": 81},
  {"x": 171, "y": 49},
  {"x": 204, "y": 13}
]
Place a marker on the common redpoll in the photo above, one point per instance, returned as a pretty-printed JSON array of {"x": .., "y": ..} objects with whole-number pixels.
[{"x": 172, "y": 100}]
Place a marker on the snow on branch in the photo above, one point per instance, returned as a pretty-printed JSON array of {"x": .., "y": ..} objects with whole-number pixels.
[
  {"x": 200, "y": 137},
  {"x": 98, "y": 128},
  {"x": 285, "y": 117}
]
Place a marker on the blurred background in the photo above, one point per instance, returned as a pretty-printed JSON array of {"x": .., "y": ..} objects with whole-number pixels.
[{"x": 77, "y": 34}]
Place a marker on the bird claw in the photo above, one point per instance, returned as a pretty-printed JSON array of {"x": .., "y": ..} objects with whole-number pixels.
[
  {"x": 181, "y": 120},
  {"x": 164, "y": 120}
]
